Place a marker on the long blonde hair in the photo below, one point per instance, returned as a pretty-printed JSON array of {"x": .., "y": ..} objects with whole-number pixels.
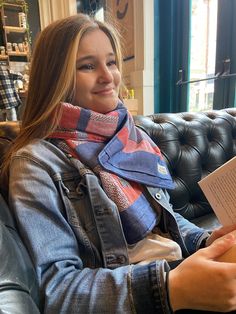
[{"x": 52, "y": 76}]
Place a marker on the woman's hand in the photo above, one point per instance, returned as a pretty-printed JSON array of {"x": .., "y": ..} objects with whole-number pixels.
[
  {"x": 220, "y": 232},
  {"x": 200, "y": 282}
]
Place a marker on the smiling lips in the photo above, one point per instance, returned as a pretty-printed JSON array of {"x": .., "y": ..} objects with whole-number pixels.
[{"x": 105, "y": 91}]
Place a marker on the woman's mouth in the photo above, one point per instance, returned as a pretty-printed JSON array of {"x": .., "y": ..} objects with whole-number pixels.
[{"x": 105, "y": 91}]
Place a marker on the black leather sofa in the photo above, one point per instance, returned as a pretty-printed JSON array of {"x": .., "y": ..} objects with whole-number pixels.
[
  {"x": 193, "y": 144},
  {"x": 18, "y": 284}
]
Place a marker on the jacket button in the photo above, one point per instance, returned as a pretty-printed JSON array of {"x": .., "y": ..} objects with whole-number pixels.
[
  {"x": 99, "y": 212},
  {"x": 158, "y": 196}
]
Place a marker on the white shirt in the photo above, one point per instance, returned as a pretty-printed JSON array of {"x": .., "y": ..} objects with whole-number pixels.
[{"x": 155, "y": 246}]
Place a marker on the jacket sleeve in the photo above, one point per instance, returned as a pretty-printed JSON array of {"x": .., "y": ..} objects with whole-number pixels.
[
  {"x": 66, "y": 286},
  {"x": 192, "y": 235}
]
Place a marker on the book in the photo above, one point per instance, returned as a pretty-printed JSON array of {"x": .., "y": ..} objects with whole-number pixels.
[{"x": 219, "y": 188}]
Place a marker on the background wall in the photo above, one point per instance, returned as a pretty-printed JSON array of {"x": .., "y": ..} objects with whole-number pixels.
[{"x": 136, "y": 26}]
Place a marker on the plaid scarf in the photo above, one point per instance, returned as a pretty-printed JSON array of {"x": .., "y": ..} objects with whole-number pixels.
[{"x": 122, "y": 156}]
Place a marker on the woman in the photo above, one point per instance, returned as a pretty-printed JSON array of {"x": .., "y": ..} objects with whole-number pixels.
[{"x": 95, "y": 218}]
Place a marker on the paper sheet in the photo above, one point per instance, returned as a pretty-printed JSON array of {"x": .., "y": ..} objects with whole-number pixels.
[{"x": 219, "y": 188}]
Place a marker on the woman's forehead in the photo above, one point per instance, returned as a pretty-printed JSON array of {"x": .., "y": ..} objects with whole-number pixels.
[{"x": 95, "y": 42}]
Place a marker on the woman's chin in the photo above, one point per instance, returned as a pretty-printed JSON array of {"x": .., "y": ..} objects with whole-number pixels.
[{"x": 106, "y": 108}]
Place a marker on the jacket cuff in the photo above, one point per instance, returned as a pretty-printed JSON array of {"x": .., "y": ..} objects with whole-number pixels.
[
  {"x": 150, "y": 293},
  {"x": 202, "y": 241}
]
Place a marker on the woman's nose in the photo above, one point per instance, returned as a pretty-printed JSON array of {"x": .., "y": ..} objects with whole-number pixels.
[{"x": 105, "y": 75}]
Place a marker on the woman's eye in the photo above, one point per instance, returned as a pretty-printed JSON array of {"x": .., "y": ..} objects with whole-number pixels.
[
  {"x": 88, "y": 67},
  {"x": 112, "y": 62}
]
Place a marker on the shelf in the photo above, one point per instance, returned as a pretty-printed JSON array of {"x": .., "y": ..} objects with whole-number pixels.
[
  {"x": 132, "y": 106},
  {"x": 19, "y": 5},
  {"x": 15, "y": 32},
  {"x": 18, "y": 54},
  {"x": 14, "y": 29}
]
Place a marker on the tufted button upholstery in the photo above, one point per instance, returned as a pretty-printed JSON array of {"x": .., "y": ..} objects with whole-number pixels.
[{"x": 193, "y": 145}]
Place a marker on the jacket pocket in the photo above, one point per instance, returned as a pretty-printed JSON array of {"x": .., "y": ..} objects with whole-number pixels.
[
  {"x": 78, "y": 212},
  {"x": 74, "y": 195}
]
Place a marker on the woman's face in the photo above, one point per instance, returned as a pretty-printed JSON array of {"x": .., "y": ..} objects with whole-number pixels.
[{"x": 97, "y": 76}]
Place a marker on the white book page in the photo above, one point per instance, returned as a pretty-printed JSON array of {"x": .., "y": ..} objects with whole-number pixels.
[{"x": 219, "y": 188}]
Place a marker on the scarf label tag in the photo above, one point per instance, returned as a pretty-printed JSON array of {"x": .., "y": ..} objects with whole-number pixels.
[{"x": 162, "y": 169}]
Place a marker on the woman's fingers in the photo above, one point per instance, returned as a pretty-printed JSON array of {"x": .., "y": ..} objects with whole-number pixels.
[{"x": 201, "y": 282}]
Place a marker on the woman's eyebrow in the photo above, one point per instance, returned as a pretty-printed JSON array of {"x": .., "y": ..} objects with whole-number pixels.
[
  {"x": 92, "y": 57},
  {"x": 85, "y": 58}
]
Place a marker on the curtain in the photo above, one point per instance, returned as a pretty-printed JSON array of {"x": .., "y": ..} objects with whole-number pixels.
[
  {"x": 171, "y": 54},
  {"x": 51, "y": 10}
]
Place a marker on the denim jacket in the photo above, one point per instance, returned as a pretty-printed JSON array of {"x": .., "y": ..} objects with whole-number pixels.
[{"x": 73, "y": 233}]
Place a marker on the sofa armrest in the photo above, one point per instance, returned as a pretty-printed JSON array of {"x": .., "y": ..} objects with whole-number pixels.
[{"x": 18, "y": 284}]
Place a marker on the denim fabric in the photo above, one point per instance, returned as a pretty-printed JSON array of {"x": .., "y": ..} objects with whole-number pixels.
[{"x": 74, "y": 236}]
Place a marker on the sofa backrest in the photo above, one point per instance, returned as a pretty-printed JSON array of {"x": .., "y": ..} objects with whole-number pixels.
[{"x": 193, "y": 145}]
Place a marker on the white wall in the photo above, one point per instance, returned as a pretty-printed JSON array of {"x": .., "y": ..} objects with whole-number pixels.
[{"x": 139, "y": 73}]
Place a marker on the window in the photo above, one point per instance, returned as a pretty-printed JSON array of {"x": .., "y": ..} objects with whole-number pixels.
[
  {"x": 212, "y": 55},
  {"x": 202, "y": 53},
  {"x": 195, "y": 55}
]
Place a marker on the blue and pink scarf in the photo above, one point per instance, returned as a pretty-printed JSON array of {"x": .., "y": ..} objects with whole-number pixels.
[{"x": 122, "y": 156}]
